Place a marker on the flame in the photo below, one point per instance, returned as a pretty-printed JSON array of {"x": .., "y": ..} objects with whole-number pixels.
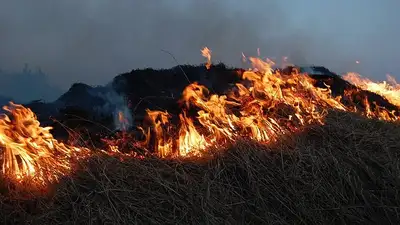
[
  {"x": 206, "y": 52},
  {"x": 263, "y": 106},
  {"x": 162, "y": 128},
  {"x": 123, "y": 121},
  {"x": 29, "y": 151},
  {"x": 389, "y": 89},
  {"x": 190, "y": 140}
]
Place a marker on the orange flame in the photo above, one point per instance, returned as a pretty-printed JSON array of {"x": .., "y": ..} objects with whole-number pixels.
[
  {"x": 206, "y": 52},
  {"x": 123, "y": 121},
  {"x": 271, "y": 105},
  {"x": 263, "y": 106},
  {"x": 29, "y": 151},
  {"x": 389, "y": 89}
]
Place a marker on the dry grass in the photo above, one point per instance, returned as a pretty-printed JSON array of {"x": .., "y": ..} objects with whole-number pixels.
[{"x": 346, "y": 171}]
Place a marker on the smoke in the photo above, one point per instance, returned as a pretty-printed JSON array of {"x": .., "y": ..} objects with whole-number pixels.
[
  {"x": 93, "y": 40},
  {"x": 122, "y": 115},
  {"x": 114, "y": 104}
]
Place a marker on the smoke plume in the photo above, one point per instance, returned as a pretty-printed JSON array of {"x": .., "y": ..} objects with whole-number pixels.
[{"x": 91, "y": 41}]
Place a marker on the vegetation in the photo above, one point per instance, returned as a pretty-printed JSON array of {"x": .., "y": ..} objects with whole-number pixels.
[{"x": 346, "y": 171}]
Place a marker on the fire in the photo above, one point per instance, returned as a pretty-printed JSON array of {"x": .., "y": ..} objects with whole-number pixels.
[
  {"x": 389, "y": 89},
  {"x": 190, "y": 140},
  {"x": 206, "y": 52},
  {"x": 262, "y": 107},
  {"x": 29, "y": 151},
  {"x": 162, "y": 128},
  {"x": 123, "y": 121}
]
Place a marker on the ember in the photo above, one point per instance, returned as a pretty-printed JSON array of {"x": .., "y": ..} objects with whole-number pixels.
[{"x": 264, "y": 105}]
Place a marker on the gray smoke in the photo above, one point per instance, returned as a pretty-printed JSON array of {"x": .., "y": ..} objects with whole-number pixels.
[
  {"x": 116, "y": 104},
  {"x": 93, "y": 40},
  {"x": 113, "y": 105}
]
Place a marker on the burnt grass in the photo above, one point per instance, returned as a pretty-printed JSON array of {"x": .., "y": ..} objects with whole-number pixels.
[{"x": 343, "y": 172}]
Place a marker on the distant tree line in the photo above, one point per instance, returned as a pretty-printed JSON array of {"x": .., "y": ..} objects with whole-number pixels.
[{"x": 27, "y": 85}]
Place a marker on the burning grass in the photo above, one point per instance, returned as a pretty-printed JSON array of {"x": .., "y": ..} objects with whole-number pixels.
[
  {"x": 265, "y": 151},
  {"x": 345, "y": 171},
  {"x": 390, "y": 88},
  {"x": 264, "y": 106}
]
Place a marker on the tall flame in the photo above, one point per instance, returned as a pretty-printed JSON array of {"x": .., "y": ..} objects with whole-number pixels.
[
  {"x": 206, "y": 52},
  {"x": 29, "y": 151}
]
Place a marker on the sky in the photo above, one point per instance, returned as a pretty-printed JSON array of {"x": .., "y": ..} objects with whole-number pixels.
[{"x": 92, "y": 41}]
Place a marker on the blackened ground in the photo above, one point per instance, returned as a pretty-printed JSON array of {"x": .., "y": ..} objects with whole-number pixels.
[{"x": 344, "y": 172}]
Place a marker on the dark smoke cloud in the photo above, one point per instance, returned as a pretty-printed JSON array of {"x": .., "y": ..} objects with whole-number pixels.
[{"x": 93, "y": 40}]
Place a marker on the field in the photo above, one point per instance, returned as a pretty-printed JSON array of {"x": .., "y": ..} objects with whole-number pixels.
[{"x": 346, "y": 171}]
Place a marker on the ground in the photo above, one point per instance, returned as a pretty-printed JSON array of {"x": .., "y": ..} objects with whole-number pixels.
[{"x": 346, "y": 171}]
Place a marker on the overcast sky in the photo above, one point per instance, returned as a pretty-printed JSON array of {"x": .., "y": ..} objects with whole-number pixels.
[{"x": 94, "y": 40}]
